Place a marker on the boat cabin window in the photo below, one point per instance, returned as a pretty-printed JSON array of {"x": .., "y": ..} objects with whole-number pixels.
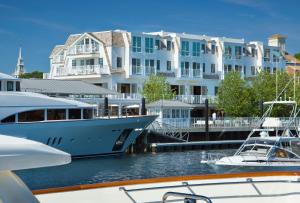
[
  {"x": 56, "y": 114},
  {"x": 74, "y": 113},
  {"x": 31, "y": 116},
  {"x": 18, "y": 86},
  {"x": 9, "y": 119},
  {"x": 87, "y": 113},
  {"x": 10, "y": 86}
]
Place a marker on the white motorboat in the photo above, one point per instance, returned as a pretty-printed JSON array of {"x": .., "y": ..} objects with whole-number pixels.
[
  {"x": 274, "y": 143},
  {"x": 68, "y": 125}
]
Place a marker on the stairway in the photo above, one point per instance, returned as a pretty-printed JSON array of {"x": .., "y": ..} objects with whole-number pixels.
[{"x": 170, "y": 131}]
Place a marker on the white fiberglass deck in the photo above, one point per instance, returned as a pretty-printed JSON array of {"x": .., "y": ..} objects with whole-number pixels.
[{"x": 274, "y": 187}]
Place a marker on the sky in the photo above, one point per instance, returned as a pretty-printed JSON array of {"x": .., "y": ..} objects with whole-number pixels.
[{"x": 38, "y": 25}]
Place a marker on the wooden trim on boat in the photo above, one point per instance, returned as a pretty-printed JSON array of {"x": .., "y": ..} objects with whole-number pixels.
[{"x": 164, "y": 179}]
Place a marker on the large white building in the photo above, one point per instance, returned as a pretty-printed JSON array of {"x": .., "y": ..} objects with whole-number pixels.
[{"x": 193, "y": 64}]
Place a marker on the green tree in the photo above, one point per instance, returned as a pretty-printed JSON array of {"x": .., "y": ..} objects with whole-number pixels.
[
  {"x": 297, "y": 56},
  {"x": 264, "y": 89},
  {"x": 235, "y": 96},
  {"x": 34, "y": 74},
  {"x": 156, "y": 88}
]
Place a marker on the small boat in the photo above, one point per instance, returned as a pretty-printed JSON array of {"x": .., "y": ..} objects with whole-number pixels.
[{"x": 273, "y": 143}]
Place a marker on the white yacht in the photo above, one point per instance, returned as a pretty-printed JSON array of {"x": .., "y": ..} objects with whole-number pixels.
[{"x": 69, "y": 125}]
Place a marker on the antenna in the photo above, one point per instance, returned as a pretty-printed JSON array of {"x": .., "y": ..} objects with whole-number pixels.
[
  {"x": 295, "y": 82},
  {"x": 276, "y": 81}
]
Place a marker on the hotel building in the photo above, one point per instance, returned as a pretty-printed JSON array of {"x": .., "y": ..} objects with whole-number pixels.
[{"x": 194, "y": 65}]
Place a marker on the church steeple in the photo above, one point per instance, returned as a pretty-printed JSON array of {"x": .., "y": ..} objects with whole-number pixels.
[{"x": 20, "y": 64}]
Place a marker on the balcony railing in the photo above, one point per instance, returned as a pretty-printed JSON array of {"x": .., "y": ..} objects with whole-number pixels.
[
  {"x": 149, "y": 70},
  {"x": 195, "y": 99},
  {"x": 197, "y": 73},
  {"x": 132, "y": 96},
  {"x": 167, "y": 73},
  {"x": 228, "y": 56},
  {"x": 185, "y": 72},
  {"x": 84, "y": 49},
  {"x": 59, "y": 59},
  {"x": 238, "y": 56},
  {"x": 84, "y": 70},
  {"x": 211, "y": 76},
  {"x": 137, "y": 70},
  {"x": 219, "y": 122}
]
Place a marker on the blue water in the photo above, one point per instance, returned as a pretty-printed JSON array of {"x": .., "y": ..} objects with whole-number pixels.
[{"x": 124, "y": 167}]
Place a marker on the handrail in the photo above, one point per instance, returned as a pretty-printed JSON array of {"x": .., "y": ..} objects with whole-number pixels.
[{"x": 186, "y": 196}]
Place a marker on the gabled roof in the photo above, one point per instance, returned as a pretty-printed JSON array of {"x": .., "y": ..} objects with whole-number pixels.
[
  {"x": 73, "y": 87},
  {"x": 71, "y": 39},
  {"x": 169, "y": 104},
  {"x": 7, "y": 77},
  {"x": 291, "y": 58},
  {"x": 57, "y": 49}
]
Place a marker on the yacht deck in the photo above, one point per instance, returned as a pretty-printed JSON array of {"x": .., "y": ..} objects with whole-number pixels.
[{"x": 247, "y": 187}]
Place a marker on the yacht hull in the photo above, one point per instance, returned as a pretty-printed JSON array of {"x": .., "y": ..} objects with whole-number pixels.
[{"x": 83, "y": 137}]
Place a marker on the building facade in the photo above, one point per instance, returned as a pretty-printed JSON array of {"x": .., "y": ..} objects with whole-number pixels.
[{"x": 194, "y": 65}]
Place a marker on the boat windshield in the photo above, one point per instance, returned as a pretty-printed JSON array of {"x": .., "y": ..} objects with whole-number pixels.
[
  {"x": 254, "y": 149},
  {"x": 260, "y": 141}
]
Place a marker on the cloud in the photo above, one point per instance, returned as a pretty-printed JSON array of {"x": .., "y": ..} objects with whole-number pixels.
[
  {"x": 6, "y": 32},
  {"x": 247, "y": 3},
  {"x": 263, "y": 6},
  {"x": 5, "y": 6},
  {"x": 49, "y": 25}
]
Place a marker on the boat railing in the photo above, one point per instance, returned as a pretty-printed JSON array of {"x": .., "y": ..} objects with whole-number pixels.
[
  {"x": 247, "y": 181},
  {"x": 187, "y": 197}
]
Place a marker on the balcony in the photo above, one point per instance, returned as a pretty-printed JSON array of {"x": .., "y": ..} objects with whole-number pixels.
[
  {"x": 166, "y": 73},
  {"x": 136, "y": 70},
  {"x": 196, "y": 73},
  {"x": 59, "y": 59},
  {"x": 185, "y": 73},
  {"x": 84, "y": 70},
  {"x": 84, "y": 49},
  {"x": 195, "y": 99},
  {"x": 228, "y": 56},
  {"x": 239, "y": 56},
  {"x": 149, "y": 70},
  {"x": 211, "y": 76}
]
